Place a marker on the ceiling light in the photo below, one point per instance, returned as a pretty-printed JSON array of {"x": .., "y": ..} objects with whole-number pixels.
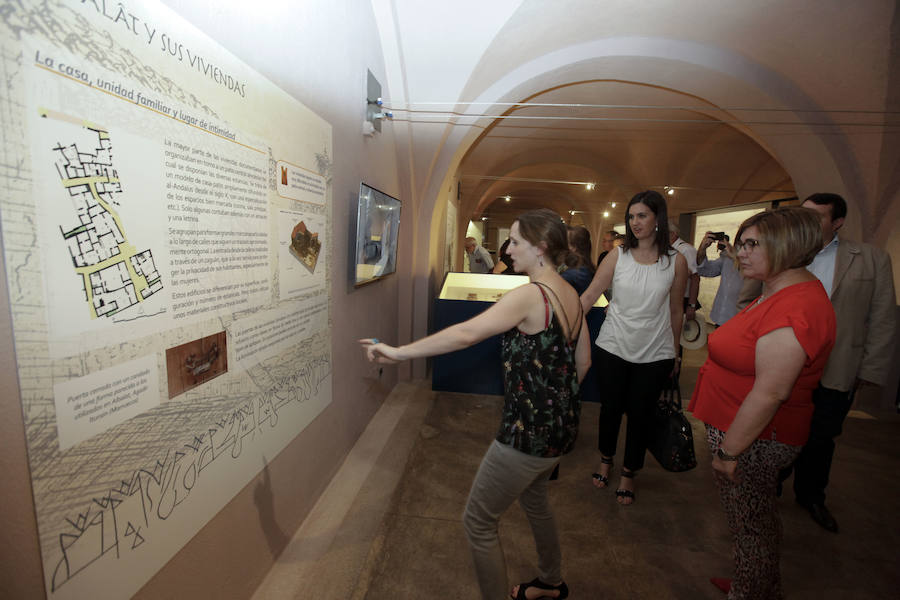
[
  {"x": 613, "y": 204},
  {"x": 507, "y": 198},
  {"x": 589, "y": 186},
  {"x": 605, "y": 214},
  {"x": 572, "y": 212},
  {"x": 671, "y": 191},
  {"x": 484, "y": 218}
]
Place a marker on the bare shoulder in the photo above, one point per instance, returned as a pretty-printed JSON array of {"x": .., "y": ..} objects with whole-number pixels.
[
  {"x": 608, "y": 265},
  {"x": 571, "y": 295},
  {"x": 524, "y": 294},
  {"x": 568, "y": 297},
  {"x": 681, "y": 265},
  {"x": 612, "y": 256}
]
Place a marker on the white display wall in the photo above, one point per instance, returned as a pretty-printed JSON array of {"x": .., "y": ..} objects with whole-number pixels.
[{"x": 168, "y": 341}]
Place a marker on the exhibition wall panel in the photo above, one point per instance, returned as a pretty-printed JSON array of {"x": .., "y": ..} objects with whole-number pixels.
[{"x": 167, "y": 342}]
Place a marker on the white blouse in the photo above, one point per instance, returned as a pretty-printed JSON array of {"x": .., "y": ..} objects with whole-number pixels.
[{"x": 638, "y": 325}]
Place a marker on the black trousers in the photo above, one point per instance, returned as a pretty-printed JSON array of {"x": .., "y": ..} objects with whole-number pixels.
[
  {"x": 813, "y": 466},
  {"x": 631, "y": 389}
]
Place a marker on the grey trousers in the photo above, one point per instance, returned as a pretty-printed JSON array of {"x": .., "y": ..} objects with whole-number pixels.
[{"x": 505, "y": 475}]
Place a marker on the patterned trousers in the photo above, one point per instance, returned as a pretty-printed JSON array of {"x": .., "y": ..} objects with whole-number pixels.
[{"x": 752, "y": 512}]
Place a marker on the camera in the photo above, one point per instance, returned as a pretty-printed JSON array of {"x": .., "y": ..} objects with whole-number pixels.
[{"x": 721, "y": 237}]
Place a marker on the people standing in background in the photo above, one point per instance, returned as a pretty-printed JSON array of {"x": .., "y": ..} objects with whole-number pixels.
[
  {"x": 639, "y": 337},
  {"x": 545, "y": 353},
  {"x": 479, "y": 259},
  {"x": 731, "y": 282},
  {"x": 754, "y": 392},
  {"x": 609, "y": 237},
  {"x": 579, "y": 273},
  {"x": 579, "y": 269},
  {"x": 504, "y": 264},
  {"x": 860, "y": 284},
  {"x": 692, "y": 289}
]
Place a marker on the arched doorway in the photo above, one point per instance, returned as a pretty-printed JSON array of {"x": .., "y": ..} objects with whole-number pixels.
[{"x": 727, "y": 91}]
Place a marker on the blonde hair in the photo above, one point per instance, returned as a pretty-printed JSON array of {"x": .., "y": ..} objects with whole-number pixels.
[{"x": 792, "y": 236}]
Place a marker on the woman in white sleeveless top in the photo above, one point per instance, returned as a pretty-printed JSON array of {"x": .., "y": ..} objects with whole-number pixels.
[{"x": 639, "y": 337}]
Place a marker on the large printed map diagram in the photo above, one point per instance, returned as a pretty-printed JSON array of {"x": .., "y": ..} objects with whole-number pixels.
[{"x": 115, "y": 275}]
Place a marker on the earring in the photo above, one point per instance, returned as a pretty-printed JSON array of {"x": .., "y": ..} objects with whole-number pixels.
[
  {"x": 656, "y": 228},
  {"x": 541, "y": 259}
]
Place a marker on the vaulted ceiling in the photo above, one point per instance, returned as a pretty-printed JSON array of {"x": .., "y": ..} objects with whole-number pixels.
[
  {"x": 729, "y": 102},
  {"x": 581, "y": 148}
]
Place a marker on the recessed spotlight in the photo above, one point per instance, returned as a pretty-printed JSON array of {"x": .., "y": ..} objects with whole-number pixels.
[
  {"x": 484, "y": 218},
  {"x": 671, "y": 191},
  {"x": 613, "y": 204},
  {"x": 589, "y": 186},
  {"x": 605, "y": 214},
  {"x": 572, "y": 212},
  {"x": 507, "y": 198}
]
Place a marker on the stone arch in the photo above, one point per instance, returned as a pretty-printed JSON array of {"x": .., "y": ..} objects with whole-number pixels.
[{"x": 704, "y": 71}]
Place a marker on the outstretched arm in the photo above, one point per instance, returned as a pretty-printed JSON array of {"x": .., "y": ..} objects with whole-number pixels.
[
  {"x": 601, "y": 281},
  {"x": 507, "y": 313}
]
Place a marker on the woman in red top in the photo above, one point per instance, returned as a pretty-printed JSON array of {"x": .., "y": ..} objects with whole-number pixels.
[{"x": 755, "y": 390}]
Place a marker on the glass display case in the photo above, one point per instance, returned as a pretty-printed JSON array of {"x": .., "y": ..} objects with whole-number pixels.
[
  {"x": 485, "y": 287},
  {"x": 477, "y": 370}
]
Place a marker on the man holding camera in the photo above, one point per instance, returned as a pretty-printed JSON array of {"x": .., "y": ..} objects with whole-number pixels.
[{"x": 725, "y": 304}]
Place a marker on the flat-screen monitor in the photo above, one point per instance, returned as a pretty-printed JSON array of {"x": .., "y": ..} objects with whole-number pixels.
[{"x": 377, "y": 229}]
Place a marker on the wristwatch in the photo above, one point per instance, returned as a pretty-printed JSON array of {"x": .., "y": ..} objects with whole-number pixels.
[{"x": 722, "y": 455}]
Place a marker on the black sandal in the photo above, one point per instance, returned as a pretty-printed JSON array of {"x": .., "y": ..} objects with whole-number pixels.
[
  {"x": 604, "y": 479},
  {"x": 620, "y": 493},
  {"x": 562, "y": 588}
]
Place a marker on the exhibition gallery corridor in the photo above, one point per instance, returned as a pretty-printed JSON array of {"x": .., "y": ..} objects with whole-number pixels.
[{"x": 389, "y": 526}]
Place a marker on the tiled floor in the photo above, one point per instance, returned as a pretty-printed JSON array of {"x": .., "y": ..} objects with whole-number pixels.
[{"x": 666, "y": 545}]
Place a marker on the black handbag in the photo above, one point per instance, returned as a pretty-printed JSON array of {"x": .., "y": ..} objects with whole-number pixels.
[{"x": 672, "y": 441}]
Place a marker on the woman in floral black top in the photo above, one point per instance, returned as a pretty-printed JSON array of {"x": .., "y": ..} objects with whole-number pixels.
[{"x": 546, "y": 352}]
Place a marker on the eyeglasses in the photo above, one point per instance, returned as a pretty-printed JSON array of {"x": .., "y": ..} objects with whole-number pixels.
[{"x": 749, "y": 244}]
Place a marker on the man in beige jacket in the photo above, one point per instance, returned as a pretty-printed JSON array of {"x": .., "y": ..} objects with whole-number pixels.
[{"x": 860, "y": 283}]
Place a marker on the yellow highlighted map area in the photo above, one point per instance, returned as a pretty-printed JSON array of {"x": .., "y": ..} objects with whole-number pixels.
[{"x": 115, "y": 275}]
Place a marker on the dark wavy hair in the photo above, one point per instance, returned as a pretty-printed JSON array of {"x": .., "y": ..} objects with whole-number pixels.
[
  {"x": 580, "y": 239},
  {"x": 656, "y": 203},
  {"x": 545, "y": 228}
]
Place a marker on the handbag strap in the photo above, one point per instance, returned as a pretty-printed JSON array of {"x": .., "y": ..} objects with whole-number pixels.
[{"x": 670, "y": 396}]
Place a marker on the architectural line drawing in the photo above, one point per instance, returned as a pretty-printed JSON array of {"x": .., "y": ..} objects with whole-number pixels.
[
  {"x": 115, "y": 275},
  {"x": 122, "y": 519}
]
